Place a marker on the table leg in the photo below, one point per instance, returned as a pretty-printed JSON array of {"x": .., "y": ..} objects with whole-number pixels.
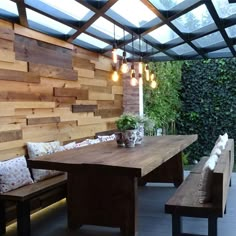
[
  {"x": 102, "y": 199},
  {"x": 170, "y": 171}
]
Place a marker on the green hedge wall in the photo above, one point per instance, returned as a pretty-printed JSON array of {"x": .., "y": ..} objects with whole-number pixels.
[{"x": 208, "y": 102}]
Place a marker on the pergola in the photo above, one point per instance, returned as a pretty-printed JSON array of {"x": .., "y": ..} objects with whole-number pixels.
[{"x": 152, "y": 30}]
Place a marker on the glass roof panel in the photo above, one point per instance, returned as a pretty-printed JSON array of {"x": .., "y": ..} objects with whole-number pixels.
[
  {"x": 107, "y": 28},
  {"x": 164, "y": 4},
  {"x": 209, "y": 40},
  {"x": 163, "y": 34},
  {"x": 194, "y": 20},
  {"x": 224, "y": 8},
  {"x": 161, "y": 56},
  {"x": 225, "y": 52},
  {"x": 183, "y": 49},
  {"x": 69, "y": 7},
  {"x": 231, "y": 31},
  {"x": 120, "y": 53},
  {"x": 143, "y": 46},
  {"x": 41, "y": 22},
  {"x": 83, "y": 39},
  {"x": 138, "y": 15},
  {"x": 8, "y": 8}
]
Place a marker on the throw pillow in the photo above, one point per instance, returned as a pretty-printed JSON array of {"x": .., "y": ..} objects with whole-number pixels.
[
  {"x": 35, "y": 150},
  {"x": 14, "y": 174},
  {"x": 87, "y": 142},
  {"x": 106, "y": 138},
  {"x": 67, "y": 146}
]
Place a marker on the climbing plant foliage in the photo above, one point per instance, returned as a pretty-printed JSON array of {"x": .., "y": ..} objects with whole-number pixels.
[
  {"x": 162, "y": 104},
  {"x": 208, "y": 97}
]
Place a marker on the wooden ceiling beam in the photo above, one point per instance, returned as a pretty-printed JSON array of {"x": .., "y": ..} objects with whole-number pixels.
[{"x": 22, "y": 12}]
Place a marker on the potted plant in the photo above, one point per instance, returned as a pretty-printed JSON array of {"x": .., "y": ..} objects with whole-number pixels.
[
  {"x": 127, "y": 124},
  {"x": 145, "y": 126}
]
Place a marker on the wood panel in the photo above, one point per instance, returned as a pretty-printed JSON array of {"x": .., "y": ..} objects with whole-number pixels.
[
  {"x": 20, "y": 30},
  {"x": 6, "y": 45},
  {"x": 34, "y": 51},
  {"x": 100, "y": 96},
  {"x": 6, "y": 33},
  {"x": 7, "y": 56},
  {"x": 104, "y": 113},
  {"x": 50, "y": 90},
  {"x": 70, "y": 92},
  {"x": 10, "y": 135},
  {"x": 44, "y": 120},
  {"x": 53, "y": 71},
  {"x": 19, "y": 76},
  {"x": 93, "y": 82},
  {"x": 83, "y": 108},
  {"x": 83, "y": 63},
  {"x": 84, "y": 72},
  {"x": 16, "y": 65}
]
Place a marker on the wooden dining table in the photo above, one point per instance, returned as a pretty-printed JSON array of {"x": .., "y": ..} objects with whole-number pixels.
[{"x": 103, "y": 178}]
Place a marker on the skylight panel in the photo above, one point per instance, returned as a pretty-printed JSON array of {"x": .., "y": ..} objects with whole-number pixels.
[
  {"x": 209, "y": 40},
  {"x": 92, "y": 41},
  {"x": 69, "y": 7},
  {"x": 224, "y": 52},
  {"x": 165, "y": 5},
  {"x": 120, "y": 53},
  {"x": 107, "y": 27},
  {"x": 137, "y": 14},
  {"x": 47, "y": 22},
  {"x": 183, "y": 49},
  {"x": 9, "y": 6},
  {"x": 231, "y": 31},
  {"x": 163, "y": 34},
  {"x": 224, "y": 8},
  {"x": 194, "y": 20}
]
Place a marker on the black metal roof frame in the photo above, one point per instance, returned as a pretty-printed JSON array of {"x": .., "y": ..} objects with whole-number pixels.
[{"x": 99, "y": 8}]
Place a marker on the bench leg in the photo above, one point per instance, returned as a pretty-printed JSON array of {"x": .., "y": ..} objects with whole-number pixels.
[
  {"x": 212, "y": 226},
  {"x": 23, "y": 218},
  {"x": 2, "y": 218},
  {"x": 176, "y": 225}
]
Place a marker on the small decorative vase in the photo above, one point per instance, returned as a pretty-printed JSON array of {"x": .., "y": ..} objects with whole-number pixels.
[
  {"x": 140, "y": 134},
  {"x": 120, "y": 139},
  {"x": 130, "y": 137}
]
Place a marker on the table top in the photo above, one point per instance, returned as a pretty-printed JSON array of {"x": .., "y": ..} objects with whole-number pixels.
[{"x": 106, "y": 156}]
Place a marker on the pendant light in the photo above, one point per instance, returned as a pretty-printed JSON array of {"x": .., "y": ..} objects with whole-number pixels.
[
  {"x": 153, "y": 84},
  {"x": 147, "y": 67},
  {"x": 115, "y": 76},
  {"x": 140, "y": 63},
  {"x": 133, "y": 80},
  {"x": 124, "y": 67},
  {"x": 114, "y": 49}
]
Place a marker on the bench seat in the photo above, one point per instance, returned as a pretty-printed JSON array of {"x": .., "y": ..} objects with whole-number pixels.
[
  {"x": 185, "y": 201},
  {"x": 28, "y": 198}
]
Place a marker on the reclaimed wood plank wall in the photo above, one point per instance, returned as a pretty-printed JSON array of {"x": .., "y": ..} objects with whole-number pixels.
[{"x": 51, "y": 90}]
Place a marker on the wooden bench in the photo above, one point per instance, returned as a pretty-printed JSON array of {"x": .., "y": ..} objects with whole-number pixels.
[
  {"x": 20, "y": 203},
  {"x": 185, "y": 201},
  {"x": 30, "y": 198}
]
